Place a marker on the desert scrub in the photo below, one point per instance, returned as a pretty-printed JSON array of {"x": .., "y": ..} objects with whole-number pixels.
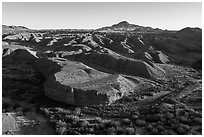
[
  {"x": 140, "y": 123},
  {"x": 77, "y": 111},
  {"x": 181, "y": 131},
  {"x": 184, "y": 120},
  {"x": 105, "y": 123},
  {"x": 153, "y": 118},
  {"x": 135, "y": 117},
  {"x": 117, "y": 123},
  {"x": 64, "y": 111},
  {"x": 62, "y": 130},
  {"x": 154, "y": 131},
  {"x": 61, "y": 123},
  {"x": 83, "y": 123},
  {"x": 130, "y": 130},
  {"x": 119, "y": 130},
  {"x": 110, "y": 131},
  {"x": 126, "y": 121},
  {"x": 71, "y": 118},
  {"x": 98, "y": 119},
  {"x": 197, "y": 121}
]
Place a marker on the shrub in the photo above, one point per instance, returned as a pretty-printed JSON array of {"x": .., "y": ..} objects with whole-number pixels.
[
  {"x": 181, "y": 130},
  {"x": 130, "y": 130},
  {"x": 71, "y": 118},
  {"x": 84, "y": 124},
  {"x": 111, "y": 131},
  {"x": 98, "y": 119},
  {"x": 119, "y": 130},
  {"x": 154, "y": 131},
  {"x": 117, "y": 123},
  {"x": 126, "y": 121},
  {"x": 105, "y": 123},
  {"x": 140, "y": 123},
  {"x": 62, "y": 130},
  {"x": 77, "y": 111},
  {"x": 91, "y": 130},
  {"x": 135, "y": 117},
  {"x": 198, "y": 121}
]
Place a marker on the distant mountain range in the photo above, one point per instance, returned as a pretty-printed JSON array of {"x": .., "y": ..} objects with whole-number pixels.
[{"x": 123, "y": 26}]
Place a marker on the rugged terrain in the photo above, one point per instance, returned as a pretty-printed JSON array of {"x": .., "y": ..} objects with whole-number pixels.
[{"x": 122, "y": 79}]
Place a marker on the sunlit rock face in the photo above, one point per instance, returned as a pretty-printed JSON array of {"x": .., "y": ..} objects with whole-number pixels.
[{"x": 77, "y": 84}]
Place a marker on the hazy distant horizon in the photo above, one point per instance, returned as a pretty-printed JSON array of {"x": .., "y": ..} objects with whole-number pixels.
[{"x": 90, "y": 15}]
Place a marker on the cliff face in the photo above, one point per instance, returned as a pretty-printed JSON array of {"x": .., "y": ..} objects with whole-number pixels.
[{"x": 77, "y": 84}]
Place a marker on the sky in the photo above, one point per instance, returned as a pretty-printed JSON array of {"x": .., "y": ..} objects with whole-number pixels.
[{"x": 87, "y": 15}]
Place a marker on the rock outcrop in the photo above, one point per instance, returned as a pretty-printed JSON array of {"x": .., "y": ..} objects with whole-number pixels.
[
  {"x": 8, "y": 30},
  {"x": 77, "y": 84},
  {"x": 19, "y": 56},
  {"x": 24, "y": 37}
]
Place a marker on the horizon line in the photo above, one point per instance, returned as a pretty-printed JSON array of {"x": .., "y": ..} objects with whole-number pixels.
[{"x": 96, "y": 28}]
